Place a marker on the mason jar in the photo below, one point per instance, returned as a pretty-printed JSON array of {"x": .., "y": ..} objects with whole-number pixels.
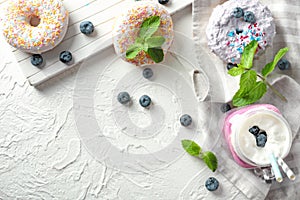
[{"x": 242, "y": 144}]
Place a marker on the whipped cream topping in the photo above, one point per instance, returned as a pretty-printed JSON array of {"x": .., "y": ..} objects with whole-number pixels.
[{"x": 227, "y": 36}]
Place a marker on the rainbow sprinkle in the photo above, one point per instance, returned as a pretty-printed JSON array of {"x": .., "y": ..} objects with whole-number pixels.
[
  {"x": 238, "y": 39},
  {"x": 21, "y": 34},
  {"x": 127, "y": 28}
]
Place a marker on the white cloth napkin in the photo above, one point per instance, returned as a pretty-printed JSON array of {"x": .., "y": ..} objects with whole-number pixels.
[{"x": 287, "y": 18}]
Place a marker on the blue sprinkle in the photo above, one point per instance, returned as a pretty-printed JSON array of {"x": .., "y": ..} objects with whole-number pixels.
[
  {"x": 231, "y": 34},
  {"x": 252, "y": 38},
  {"x": 231, "y": 44},
  {"x": 232, "y": 60},
  {"x": 258, "y": 39},
  {"x": 244, "y": 44},
  {"x": 240, "y": 50}
]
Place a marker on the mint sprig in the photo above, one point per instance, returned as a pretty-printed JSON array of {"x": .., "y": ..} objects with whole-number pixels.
[
  {"x": 194, "y": 149},
  {"x": 250, "y": 89},
  {"x": 148, "y": 43},
  {"x": 271, "y": 66}
]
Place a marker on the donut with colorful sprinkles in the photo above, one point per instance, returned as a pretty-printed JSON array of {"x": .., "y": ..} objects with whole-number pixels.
[
  {"x": 143, "y": 34},
  {"x": 236, "y": 23},
  {"x": 35, "y": 26}
]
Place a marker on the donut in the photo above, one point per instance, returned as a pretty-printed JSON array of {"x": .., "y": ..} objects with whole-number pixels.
[
  {"x": 35, "y": 26},
  {"x": 127, "y": 27},
  {"x": 236, "y": 23}
]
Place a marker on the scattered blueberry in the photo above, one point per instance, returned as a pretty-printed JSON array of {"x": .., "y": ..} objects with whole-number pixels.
[
  {"x": 211, "y": 184},
  {"x": 249, "y": 17},
  {"x": 65, "y": 56},
  {"x": 225, "y": 107},
  {"x": 123, "y": 97},
  {"x": 86, "y": 27},
  {"x": 283, "y": 64},
  {"x": 254, "y": 130},
  {"x": 238, "y": 12},
  {"x": 186, "y": 120},
  {"x": 145, "y": 101},
  {"x": 163, "y": 2},
  {"x": 268, "y": 181},
  {"x": 230, "y": 66},
  {"x": 238, "y": 31},
  {"x": 147, "y": 73},
  {"x": 37, "y": 60},
  {"x": 261, "y": 139}
]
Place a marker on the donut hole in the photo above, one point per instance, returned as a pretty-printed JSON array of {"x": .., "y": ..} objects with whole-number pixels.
[{"x": 34, "y": 20}]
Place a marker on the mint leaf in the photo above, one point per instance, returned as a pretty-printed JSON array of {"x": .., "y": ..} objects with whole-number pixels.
[
  {"x": 248, "y": 55},
  {"x": 191, "y": 147},
  {"x": 149, "y": 27},
  {"x": 139, "y": 40},
  {"x": 235, "y": 71},
  {"x": 271, "y": 66},
  {"x": 248, "y": 80},
  {"x": 155, "y": 41},
  {"x": 210, "y": 160},
  {"x": 134, "y": 50},
  {"x": 156, "y": 54},
  {"x": 258, "y": 91},
  {"x": 267, "y": 69},
  {"x": 245, "y": 97}
]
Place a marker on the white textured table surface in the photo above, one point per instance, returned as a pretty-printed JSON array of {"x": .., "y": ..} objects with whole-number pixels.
[{"x": 41, "y": 156}]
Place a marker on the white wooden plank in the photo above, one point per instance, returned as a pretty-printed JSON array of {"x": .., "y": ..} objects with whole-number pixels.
[
  {"x": 73, "y": 5},
  {"x": 101, "y": 13},
  {"x": 97, "y": 17},
  {"x": 50, "y": 72},
  {"x": 73, "y": 44}
]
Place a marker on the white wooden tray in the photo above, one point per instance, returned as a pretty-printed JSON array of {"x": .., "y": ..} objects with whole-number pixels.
[{"x": 102, "y": 14}]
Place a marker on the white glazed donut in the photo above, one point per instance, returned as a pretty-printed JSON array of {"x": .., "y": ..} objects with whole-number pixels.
[
  {"x": 35, "y": 26},
  {"x": 127, "y": 27},
  {"x": 227, "y": 35}
]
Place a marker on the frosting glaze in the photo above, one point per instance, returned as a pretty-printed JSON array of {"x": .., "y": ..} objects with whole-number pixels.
[
  {"x": 128, "y": 24},
  {"x": 227, "y": 36},
  {"x": 48, "y": 32}
]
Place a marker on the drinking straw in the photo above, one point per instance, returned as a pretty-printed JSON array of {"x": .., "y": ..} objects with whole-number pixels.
[
  {"x": 275, "y": 168},
  {"x": 290, "y": 174}
]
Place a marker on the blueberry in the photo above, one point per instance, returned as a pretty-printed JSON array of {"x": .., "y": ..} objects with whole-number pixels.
[
  {"x": 283, "y": 64},
  {"x": 65, "y": 56},
  {"x": 249, "y": 17},
  {"x": 230, "y": 66},
  {"x": 254, "y": 130},
  {"x": 186, "y": 120},
  {"x": 37, "y": 60},
  {"x": 86, "y": 27},
  {"x": 211, "y": 184},
  {"x": 147, "y": 73},
  {"x": 225, "y": 107},
  {"x": 268, "y": 181},
  {"x": 261, "y": 139},
  {"x": 163, "y": 2},
  {"x": 123, "y": 97},
  {"x": 238, "y": 31},
  {"x": 145, "y": 101},
  {"x": 238, "y": 12}
]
